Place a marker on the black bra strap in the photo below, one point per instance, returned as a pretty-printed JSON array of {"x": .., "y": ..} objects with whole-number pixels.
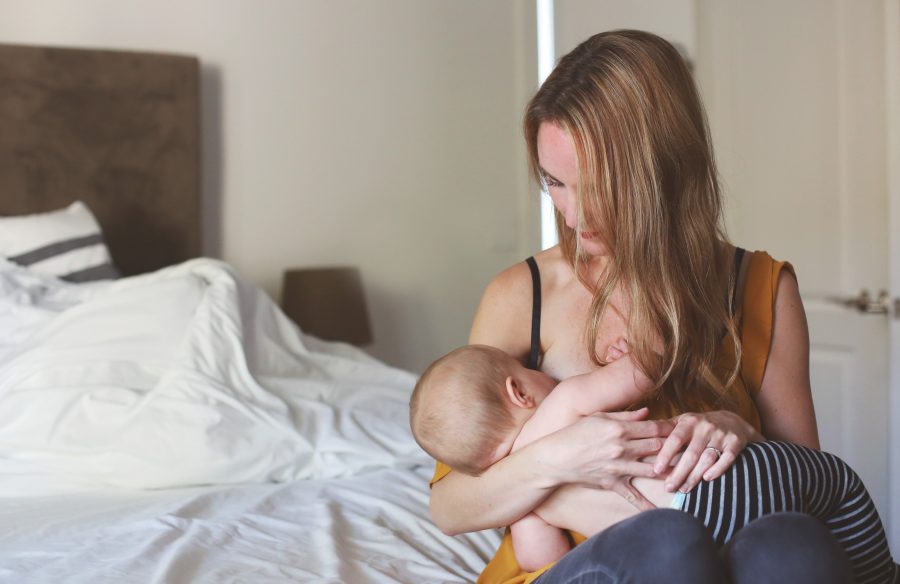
[
  {"x": 738, "y": 259},
  {"x": 534, "y": 356}
]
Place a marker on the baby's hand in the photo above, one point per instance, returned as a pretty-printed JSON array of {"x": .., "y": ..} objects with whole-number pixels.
[{"x": 616, "y": 350}]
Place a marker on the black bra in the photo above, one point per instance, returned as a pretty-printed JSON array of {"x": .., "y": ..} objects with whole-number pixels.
[{"x": 535, "y": 355}]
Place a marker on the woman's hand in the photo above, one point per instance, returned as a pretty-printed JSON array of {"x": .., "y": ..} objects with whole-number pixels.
[
  {"x": 711, "y": 442},
  {"x": 603, "y": 451}
]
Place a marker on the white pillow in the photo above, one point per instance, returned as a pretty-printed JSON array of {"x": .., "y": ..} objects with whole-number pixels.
[{"x": 67, "y": 243}]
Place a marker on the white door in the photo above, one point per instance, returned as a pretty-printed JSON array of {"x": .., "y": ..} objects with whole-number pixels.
[
  {"x": 892, "y": 75},
  {"x": 796, "y": 92}
]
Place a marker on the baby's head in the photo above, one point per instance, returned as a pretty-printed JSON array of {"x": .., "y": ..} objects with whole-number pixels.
[{"x": 469, "y": 406}]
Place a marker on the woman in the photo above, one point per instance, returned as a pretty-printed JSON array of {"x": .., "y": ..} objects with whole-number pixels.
[{"x": 618, "y": 136}]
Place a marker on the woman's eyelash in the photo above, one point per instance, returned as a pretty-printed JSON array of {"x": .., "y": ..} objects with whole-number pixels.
[{"x": 551, "y": 182}]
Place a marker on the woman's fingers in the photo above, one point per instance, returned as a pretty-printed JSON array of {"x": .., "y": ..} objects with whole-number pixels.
[
  {"x": 635, "y": 468},
  {"x": 731, "y": 448},
  {"x": 603, "y": 449},
  {"x": 678, "y": 437},
  {"x": 633, "y": 424},
  {"x": 684, "y": 456},
  {"x": 638, "y": 414},
  {"x": 711, "y": 442},
  {"x": 689, "y": 460},
  {"x": 707, "y": 458},
  {"x": 643, "y": 447},
  {"x": 624, "y": 426},
  {"x": 632, "y": 495},
  {"x": 724, "y": 463},
  {"x": 679, "y": 473}
]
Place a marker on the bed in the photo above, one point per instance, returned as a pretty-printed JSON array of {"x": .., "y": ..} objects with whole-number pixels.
[{"x": 172, "y": 425}]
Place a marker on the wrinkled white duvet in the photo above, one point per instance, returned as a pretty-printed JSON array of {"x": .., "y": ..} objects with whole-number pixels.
[
  {"x": 373, "y": 528},
  {"x": 186, "y": 376}
]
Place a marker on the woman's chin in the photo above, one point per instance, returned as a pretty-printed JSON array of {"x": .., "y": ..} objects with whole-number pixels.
[{"x": 594, "y": 248}]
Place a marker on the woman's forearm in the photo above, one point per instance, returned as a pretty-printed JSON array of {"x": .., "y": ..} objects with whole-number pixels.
[
  {"x": 505, "y": 493},
  {"x": 600, "y": 451}
]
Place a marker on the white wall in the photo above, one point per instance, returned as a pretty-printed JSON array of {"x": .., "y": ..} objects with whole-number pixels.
[
  {"x": 378, "y": 134},
  {"x": 576, "y": 20}
]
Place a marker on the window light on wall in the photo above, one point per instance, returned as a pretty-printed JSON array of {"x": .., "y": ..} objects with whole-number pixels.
[{"x": 546, "y": 56}]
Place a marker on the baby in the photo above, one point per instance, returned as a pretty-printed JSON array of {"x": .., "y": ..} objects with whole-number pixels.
[{"x": 477, "y": 404}]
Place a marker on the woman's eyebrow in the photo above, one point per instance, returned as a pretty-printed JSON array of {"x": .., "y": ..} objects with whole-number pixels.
[{"x": 547, "y": 175}]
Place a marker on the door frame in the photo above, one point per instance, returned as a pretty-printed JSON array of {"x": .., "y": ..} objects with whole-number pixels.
[{"x": 892, "y": 79}]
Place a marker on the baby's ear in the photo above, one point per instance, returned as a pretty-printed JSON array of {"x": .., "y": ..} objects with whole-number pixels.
[{"x": 517, "y": 395}]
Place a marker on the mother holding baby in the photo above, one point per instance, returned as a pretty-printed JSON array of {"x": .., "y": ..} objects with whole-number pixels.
[{"x": 618, "y": 137}]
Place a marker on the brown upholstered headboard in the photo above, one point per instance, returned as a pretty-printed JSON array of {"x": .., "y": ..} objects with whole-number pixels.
[{"x": 117, "y": 130}]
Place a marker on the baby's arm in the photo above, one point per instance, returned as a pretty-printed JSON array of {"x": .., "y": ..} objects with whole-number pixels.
[
  {"x": 618, "y": 385},
  {"x": 610, "y": 388}
]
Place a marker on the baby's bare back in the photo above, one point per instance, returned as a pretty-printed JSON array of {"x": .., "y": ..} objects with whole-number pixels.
[{"x": 590, "y": 511}]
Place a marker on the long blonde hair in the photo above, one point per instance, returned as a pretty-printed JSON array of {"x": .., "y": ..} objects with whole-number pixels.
[{"x": 647, "y": 182}]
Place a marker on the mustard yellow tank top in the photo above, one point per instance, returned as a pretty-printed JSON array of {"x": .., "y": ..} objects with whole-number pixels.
[{"x": 754, "y": 317}]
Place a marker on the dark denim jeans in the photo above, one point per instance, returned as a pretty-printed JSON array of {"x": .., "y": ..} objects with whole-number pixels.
[{"x": 673, "y": 547}]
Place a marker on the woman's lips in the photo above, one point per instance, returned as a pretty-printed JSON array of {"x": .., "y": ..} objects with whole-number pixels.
[{"x": 588, "y": 235}]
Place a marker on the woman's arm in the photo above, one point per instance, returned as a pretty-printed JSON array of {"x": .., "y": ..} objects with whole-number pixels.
[
  {"x": 784, "y": 402},
  {"x": 515, "y": 485},
  {"x": 600, "y": 451},
  {"x": 785, "y": 395},
  {"x": 503, "y": 494}
]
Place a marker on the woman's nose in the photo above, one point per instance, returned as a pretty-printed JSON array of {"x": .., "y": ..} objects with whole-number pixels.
[{"x": 571, "y": 212}]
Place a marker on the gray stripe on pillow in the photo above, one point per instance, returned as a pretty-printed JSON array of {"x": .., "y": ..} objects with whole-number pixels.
[
  {"x": 104, "y": 271},
  {"x": 54, "y": 249}
]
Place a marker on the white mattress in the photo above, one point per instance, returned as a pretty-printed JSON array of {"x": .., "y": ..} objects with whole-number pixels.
[{"x": 176, "y": 427}]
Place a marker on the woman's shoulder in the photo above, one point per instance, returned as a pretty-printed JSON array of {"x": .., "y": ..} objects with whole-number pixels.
[
  {"x": 555, "y": 269},
  {"x": 511, "y": 287},
  {"x": 760, "y": 276},
  {"x": 515, "y": 282},
  {"x": 503, "y": 319},
  {"x": 768, "y": 288}
]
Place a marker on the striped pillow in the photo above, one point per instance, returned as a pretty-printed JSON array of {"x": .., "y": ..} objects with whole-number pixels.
[{"x": 67, "y": 243}]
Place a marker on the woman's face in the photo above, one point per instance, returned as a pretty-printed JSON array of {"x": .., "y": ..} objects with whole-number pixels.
[{"x": 559, "y": 168}]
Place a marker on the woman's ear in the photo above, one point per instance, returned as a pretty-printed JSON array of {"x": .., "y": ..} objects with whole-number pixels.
[{"x": 517, "y": 394}]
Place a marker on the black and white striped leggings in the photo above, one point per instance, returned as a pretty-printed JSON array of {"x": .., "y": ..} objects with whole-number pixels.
[{"x": 769, "y": 477}]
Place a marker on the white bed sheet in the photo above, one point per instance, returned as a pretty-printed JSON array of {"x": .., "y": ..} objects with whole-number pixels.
[{"x": 372, "y": 528}]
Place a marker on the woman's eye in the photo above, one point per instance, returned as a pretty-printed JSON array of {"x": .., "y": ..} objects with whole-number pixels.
[{"x": 551, "y": 182}]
